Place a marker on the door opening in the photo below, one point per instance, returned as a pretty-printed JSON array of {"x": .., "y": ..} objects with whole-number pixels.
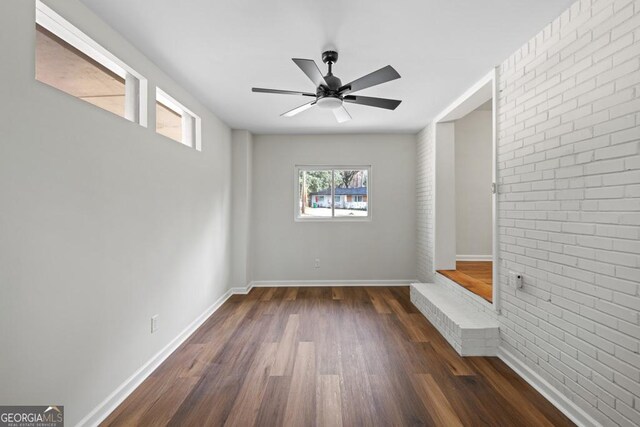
[{"x": 465, "y": 225}]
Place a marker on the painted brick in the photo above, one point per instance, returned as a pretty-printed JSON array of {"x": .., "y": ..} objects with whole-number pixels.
[
  {"x": 622, "y": 150},
  {"x": 626, "y": 135},
  {"x": 569, "y": 206}
]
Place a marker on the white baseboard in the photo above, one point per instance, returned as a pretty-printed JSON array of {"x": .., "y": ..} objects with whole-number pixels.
[
  {"x": 321, "y": 283},
  {"x": 100, "y": 412},
  {"x": 560, "y": 401},
  {"x": 240, "y": 290},
  {"x": 474, "y": 257}
]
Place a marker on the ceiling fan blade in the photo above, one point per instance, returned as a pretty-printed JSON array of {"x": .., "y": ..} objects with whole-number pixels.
[
  {"x": 299, "y": 109},
  {"x": 279, "y": 91},
  {"x": 383, "y": 75},
  {"x": 309, "y": 67},
  {"x": 342, "y": 115},
  {"x": 389, "y": 104}
]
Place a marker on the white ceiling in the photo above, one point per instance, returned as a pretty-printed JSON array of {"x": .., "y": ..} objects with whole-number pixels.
[{"x": 219, "y": 49}]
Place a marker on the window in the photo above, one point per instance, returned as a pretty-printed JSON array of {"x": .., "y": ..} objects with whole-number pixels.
[
  {"x": 332, "y": 193},
  {"x": 70, "y": 61},
  {"x": 175, "y": 121}
]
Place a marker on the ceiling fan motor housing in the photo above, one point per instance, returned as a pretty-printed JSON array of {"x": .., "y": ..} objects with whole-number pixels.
[
  {"x": 330, "y": 57},
  {"x": 333, "y": 83}
]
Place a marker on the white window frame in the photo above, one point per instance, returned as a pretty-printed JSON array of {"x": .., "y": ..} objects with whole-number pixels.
[
  {"x": 360, "y": 197},
  {"x": 135, "y": 83},
  {"x": 332, "y": 218},
  {"x": 191, "y": 122}
]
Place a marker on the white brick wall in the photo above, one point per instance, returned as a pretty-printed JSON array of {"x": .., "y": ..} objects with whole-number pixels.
[
  {"x": 569, "y": 206},
  {"x": 424, "y": 203}
]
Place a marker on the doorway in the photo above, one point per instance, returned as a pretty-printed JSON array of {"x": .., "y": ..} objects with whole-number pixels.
[{"x": 465, "y": 222}]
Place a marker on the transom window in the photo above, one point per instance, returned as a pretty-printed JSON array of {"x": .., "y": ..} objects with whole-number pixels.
[
  {"x": 334, "y": 192},
  {"x": 175, "y": 121},
  {"x": 72, "y": 62}
]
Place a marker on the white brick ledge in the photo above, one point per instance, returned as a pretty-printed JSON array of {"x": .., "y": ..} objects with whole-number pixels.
[{"x": 469, "y": 331}]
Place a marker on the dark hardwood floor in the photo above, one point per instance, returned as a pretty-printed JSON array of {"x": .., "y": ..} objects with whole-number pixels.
[
  {"x": 476, "y": 276},
  {"x": 352, "y": 356}
]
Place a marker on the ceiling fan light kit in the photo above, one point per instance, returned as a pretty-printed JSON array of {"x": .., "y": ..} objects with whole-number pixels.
[
  {"x": 330, "y": 102},
  {"x": 331, "y": 94}
]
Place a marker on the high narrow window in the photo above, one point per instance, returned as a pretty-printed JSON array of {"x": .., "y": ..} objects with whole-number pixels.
[
  {"x": 70, "y": 61},
  {"x": 332, "y": 193},
  {"x": 175, "y": 121}
]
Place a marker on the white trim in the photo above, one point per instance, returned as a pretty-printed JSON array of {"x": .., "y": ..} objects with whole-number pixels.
[
  {"x": 471, "y": 99},
  {"x": 474, "y": 257},
  {"x": 240, "y": 290},
  {"x": 132, "y": 98},
  {"x": 553, "y": 395},
  {"x": 327, "y": 283},
  {"x": 68, "y": 32},
  {"x": 100, "y": 412}
]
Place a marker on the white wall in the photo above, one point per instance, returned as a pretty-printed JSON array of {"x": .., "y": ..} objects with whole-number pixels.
[
  {"x": 103, "y": 224},
  {"x": 242, "y": 171},
  {"x": 445, "y": 201},
  {"x": 569, "y": 208},
  {"x": 382, "y": 249},
  {"x": 473, "y": 198}
]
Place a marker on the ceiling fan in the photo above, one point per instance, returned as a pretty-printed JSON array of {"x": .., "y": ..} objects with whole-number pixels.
[{"x": 331, "y": 93}]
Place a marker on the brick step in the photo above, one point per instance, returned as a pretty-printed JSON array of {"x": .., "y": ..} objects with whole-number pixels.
[{"x": 469, "y": 331}]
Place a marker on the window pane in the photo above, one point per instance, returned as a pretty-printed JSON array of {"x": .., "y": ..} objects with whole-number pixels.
[
  {"x": 315, "y": 194},
  {"x": 64, "y": 67},
  {"x": 351, "y": 193},
  {"x": 168, "y": 122}
]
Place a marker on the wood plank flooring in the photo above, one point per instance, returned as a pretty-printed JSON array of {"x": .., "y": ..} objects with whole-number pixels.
[
  {"x": 476, "y": 276},
  {"x": 351, "y": 356}
]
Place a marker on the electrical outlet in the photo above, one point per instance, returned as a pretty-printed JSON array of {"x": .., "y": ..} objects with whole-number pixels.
[
  {"x": 316, "y": 264},
  {"x": 515, "y": 279},
  {"x": 154, "y": 323}
]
